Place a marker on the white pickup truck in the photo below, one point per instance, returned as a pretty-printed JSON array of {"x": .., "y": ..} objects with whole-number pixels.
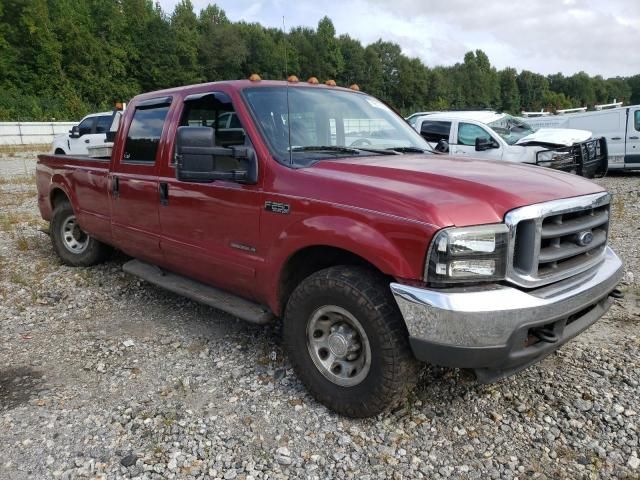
[
  {"x": 499, "y": 136},
  {"x": 90, "y": 132}
]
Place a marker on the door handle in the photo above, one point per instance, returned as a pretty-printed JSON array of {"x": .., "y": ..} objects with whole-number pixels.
[
  {"x": 616, "y": 138},
  {"x": 87, "y": 141},
  {"x": 633, "y": 138},
  {"x": 163, "y": 187},
  {"x": 115, "y": 187}
]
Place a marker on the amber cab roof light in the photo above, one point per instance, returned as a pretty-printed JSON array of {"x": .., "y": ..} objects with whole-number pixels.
[
  {"x": 255, "y": 77},
  {"x": 313, "y": 81},
  {"x": 292, "y": 79},
  {"x": 354, "y": 86},
  {"x": 331, "y": 83}
]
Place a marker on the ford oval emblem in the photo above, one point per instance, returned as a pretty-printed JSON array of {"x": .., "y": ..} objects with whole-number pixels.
[{"x": 584, "y": 238}]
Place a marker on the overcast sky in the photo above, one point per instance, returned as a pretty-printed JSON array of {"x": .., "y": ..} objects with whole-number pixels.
[{"x": 545, "y": 36}]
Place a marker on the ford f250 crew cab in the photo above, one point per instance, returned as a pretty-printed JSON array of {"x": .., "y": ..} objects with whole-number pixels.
[{"x": 319, "y": 206}]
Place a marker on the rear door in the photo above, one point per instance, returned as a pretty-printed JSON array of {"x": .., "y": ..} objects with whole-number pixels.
[
  {"x": 210, "y": 231},
  {"x": 100, "y": 129},
  {"x": 435, "y": 130},
  {"x": 135, "y": 198},
  {"x": 632, "y": 151}
]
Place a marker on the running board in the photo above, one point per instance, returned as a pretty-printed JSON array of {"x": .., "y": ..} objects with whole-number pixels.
[{"x": 232, "y": 304}]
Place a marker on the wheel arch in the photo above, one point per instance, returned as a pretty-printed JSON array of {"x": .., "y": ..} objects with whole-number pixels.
[
  {"x": 310, "y": 259},
  {"x": 58, "y": 195}
]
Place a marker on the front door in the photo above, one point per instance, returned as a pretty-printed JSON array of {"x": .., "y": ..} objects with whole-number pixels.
[
  {"x": 210, "y": 231},
  {"x": 632, "y": 152},
  {"x": 135, "y": 198},
  {"x": 465, "y": 144},
  {"x": 78, "y": 146}
]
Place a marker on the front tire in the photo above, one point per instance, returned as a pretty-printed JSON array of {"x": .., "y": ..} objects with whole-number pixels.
[
  {"x": 71, "y": 243},
  {"x": 347, "y": 341}
]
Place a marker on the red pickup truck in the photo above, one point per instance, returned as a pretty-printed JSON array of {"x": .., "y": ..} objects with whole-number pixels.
[{"x": 319, "y": 206}]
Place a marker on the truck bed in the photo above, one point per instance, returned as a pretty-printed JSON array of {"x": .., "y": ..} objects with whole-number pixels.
[{"x": 81, "y": 179}]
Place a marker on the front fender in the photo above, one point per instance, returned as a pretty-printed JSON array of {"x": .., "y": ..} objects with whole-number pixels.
[
  {"x": 60, "y": 143},
  {"x": 394, "y": 246}
]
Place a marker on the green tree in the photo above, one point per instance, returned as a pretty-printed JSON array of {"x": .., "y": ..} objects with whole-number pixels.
[
  {"x": 532, "y": 88},
  {"x": 184, "y": 24},
  {"x": 328, "y": 58},
  {"x": 65, "y": 58},
  {"x": 509, "y": 93},
  {"x": 222, "y": 51},
  {"x": 634, "y": 87}
]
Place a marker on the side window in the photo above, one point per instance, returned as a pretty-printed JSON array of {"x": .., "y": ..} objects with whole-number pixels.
[
  {"x": 636, "y": 118},
  {"x": 467, "y": 134},
  {"x": 85, "y": 126},
  {"x": 103, "y": 123},
  {"x": 433, "y": 131},
  {"x": 216, "y": 111},
  {"x": 144, "y": 134}
]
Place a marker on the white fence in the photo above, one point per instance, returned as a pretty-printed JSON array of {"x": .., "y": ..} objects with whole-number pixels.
[{"x": 31, "y": 133}]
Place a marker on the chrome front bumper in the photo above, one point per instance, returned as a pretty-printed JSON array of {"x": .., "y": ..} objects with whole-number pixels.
[{"x": 488, "y": 328}]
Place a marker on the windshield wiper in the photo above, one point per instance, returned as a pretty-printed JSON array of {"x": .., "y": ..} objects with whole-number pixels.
[
  {"x": 380, "y": 151},
  {"x": 326, "y": 148},
  {"x": 408, "y": 149}
]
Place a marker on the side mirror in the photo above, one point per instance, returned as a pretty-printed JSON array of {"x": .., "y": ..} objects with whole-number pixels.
[
  {"x": 442, "y": 146},
  {"x": 110, "y": 136},
  {"x": 199, "y": 160},
  {"x": 74, "y": 132},
  {"x": 483, "y": 144}
]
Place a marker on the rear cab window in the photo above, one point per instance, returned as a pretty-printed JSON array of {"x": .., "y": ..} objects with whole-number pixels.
[
  {"x": 103, "y": 123},
  {"x": 636, "y": 118},
  {"x": 144, "y": 133}
]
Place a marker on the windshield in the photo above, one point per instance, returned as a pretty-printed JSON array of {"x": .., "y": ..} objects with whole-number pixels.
[
  {"x": 320, "y": 123},
  {"x": 511, "y": 129}
]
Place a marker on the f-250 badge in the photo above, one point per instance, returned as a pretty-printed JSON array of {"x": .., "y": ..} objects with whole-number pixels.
[{"x": 276, "y": 207}]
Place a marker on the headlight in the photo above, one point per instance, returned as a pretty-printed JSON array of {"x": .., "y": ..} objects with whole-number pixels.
[
  {"x": 556, "y": 159},
  {"x": 468, "y": 254}
]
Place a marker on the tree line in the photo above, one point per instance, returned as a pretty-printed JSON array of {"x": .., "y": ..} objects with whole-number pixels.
[{"x": 64, "y": 58}]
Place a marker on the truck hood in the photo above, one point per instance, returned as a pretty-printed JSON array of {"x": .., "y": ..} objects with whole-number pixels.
[
  {"x": 556, "y": 136},
  {"x": 439, "y": 190}
]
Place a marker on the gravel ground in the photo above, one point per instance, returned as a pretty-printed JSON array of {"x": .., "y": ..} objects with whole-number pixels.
[{"x": 104, "y": 376}]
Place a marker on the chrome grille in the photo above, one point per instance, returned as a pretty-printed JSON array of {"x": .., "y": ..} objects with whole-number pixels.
[{"x": 555, "y": 240}]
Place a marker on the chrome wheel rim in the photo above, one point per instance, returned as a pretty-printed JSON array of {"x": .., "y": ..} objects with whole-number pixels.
[
  {"x": 73, "y": 238},
  {"x": 338, "y": 346}
]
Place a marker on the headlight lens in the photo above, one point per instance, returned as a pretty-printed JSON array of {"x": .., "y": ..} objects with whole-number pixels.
[
  {"x": 555, "y": 158},
  {"x": 468, "y": 254}
]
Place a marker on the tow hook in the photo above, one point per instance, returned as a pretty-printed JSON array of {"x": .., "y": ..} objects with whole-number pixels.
[
  {"x": 616, "y": 293},
  {"x": 544, "y": 335}
]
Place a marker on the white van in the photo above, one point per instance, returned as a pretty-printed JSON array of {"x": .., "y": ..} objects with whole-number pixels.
[
  {"x": 499, "y": 136},
  {"x": 90, "y": 132},
  {"x": 620, "y": 126}
]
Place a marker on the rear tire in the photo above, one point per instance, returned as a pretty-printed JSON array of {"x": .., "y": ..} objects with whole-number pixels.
[
  {"x": 71, "y": 243},
  {"x": 59, "y": 151},
  {"x": 348, "y": 342}
]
